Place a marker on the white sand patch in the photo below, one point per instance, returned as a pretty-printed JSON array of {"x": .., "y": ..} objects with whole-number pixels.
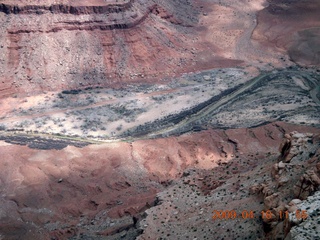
[
  {"x": 300, "y": 83},
  {"x": 3, "y": 144}
]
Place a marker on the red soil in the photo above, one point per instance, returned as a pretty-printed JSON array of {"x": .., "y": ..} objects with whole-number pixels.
[{"x": 50, "y": 192}]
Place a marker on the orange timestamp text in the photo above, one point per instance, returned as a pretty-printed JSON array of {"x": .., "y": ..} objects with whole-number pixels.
[{"x": 249, "y": 214}]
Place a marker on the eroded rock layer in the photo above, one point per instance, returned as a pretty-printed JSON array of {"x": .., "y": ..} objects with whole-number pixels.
[
  {"x": 52, "y": 47},
  {"x": 66, "y": 7}
]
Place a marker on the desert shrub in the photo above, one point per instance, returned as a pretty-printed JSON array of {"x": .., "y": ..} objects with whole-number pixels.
[
  {"x": 119, "y": 127},
  {"x": 73, "y": 91}
]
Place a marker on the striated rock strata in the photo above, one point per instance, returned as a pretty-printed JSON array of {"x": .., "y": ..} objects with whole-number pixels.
[
  {"x": 66, "y": 7},
  {"x": 52, "y": 46}
]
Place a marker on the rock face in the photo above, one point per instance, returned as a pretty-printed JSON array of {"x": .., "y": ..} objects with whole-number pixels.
[
  {"x": 54, "y": 45},
  {"x": 72, "y": 44},
  {"x": 66, "y": 7}
]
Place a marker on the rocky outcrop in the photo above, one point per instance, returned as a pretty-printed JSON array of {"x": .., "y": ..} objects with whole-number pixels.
[
  {"x": 296, "y": 176},
  {"x": 123, "y": 18},
  {"x": 307, "y": 227},
  {"x": 66, "y": 9},
  {"x": 292, "y": 145}
]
